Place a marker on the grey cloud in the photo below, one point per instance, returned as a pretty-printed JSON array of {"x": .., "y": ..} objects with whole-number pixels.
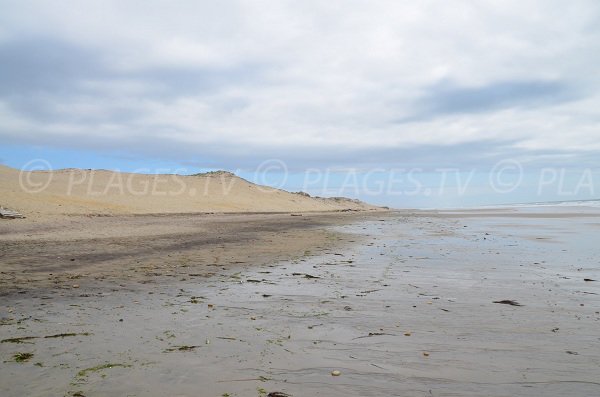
[
  {"x": 197, "y": 81},
  {"x": 34, "y": 65},
  {"x": 478, "y": 155},
  {"x": 298, "y": 158},
  {"x": 448, "y": 98},
  {"x": 37, "y": 74}
]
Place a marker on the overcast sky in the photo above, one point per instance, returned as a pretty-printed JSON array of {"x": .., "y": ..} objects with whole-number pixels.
[{"x": 226, "y": 84}]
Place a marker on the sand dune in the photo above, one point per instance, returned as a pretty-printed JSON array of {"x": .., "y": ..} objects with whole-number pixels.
[{"x": 76, "y": 191}]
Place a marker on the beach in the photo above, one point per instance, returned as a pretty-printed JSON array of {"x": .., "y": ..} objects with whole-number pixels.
[
  {"x": 494, "y": 302},
  {"x": 290, "y": 199}
]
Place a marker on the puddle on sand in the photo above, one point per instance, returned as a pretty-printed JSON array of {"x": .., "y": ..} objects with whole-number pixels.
[{"x": 408, "y": 311}]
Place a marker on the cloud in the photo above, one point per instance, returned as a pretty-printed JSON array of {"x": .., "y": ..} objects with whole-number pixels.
[
  {"x": 33, "y": 65},
  {"x": 332, "y": 83},
  {"x": 447, "y": 98}
]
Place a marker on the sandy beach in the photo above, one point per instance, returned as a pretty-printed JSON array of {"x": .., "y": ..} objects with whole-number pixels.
[
  {"x": 400, "y": 303},
  {"x": 298, "y": 199}
]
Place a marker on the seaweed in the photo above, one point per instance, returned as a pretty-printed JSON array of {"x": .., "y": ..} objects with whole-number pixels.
[
  {"x": 22, "y": 339},
  {"x": 184, "y": 348},
  {"x": 84, "y": 372},
  {"x": 18, "y": 340},
  {"x": 22, "y": 357},
  {"x": 508, "y": 302},
  {"x": 67, "y": 334}
]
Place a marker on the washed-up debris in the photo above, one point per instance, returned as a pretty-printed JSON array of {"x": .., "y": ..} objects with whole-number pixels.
[
  {"x": 278, "y": 394},
  {"x": 168, "y": 335},
  {"x": 12, "y": 321},
  {"x": 67, "y": 334},
  {"x": 426, "y": 354},
  {"x": 10, "y": 214},
  {"x": 184, "y": 348},
  {"x": 335, "y": 373},
  {"x": 260, "y": 378},
  {"x": 25, "y": 338},
  {"x": 369, "y": 291},
  {"x": 306, "y": 275},
  {"x": 373, "y": 334},
  {"x": 572, "y": 352},
  {"x": 22, "y": 357},
  {"x": 508, "y": 302},
  {"x": 84, "y": 372},
  {"x": 588, "y": 279},
  {"x": 18, "y": 340}
]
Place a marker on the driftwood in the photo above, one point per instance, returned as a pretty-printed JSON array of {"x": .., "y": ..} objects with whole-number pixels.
[{"x": 10, "y": 214}]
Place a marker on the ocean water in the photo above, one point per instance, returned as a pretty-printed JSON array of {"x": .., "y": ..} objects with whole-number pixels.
[
  {"x": 567, "y": 203},
  {"x": 544, "y": 204}
]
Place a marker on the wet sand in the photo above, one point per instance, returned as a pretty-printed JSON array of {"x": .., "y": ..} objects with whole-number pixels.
[
  {"x": 51, "y": 253},
  {"x": 401, "y": 304}
]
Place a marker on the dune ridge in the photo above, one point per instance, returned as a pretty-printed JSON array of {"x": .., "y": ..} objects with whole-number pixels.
[{"x": 101, "y": 192}]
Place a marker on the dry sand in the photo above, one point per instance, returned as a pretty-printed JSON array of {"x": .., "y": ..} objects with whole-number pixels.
[
  {"x": 40, "y": 194},
  {"x": 401, "y": 303}
]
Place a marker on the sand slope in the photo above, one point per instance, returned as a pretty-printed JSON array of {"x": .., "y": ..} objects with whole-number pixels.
[{"x": 76, "y": 191}]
